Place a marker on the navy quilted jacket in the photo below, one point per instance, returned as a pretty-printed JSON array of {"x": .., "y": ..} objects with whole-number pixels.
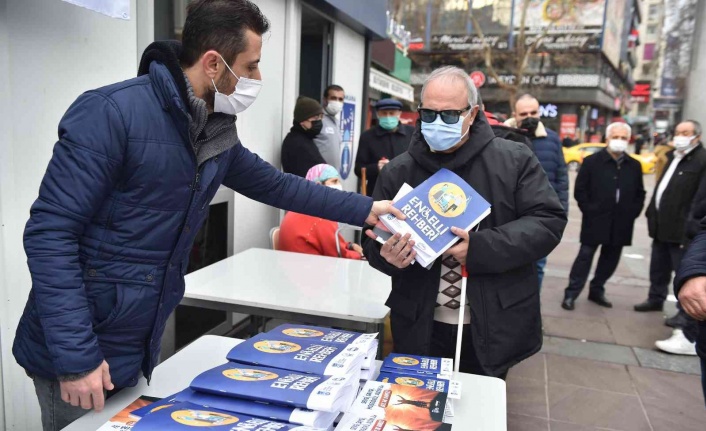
[
  {"x": 109, "y": 236},
  {"x": 551, "y": 157},
  {"x": 693, "y": 264}
]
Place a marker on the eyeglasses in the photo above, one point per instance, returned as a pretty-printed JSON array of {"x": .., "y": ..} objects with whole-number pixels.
[{"x": 448, "y": 116}]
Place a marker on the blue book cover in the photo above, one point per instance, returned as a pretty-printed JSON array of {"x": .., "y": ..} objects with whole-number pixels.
[
  {"x": 256, "y": 408},
  {"x": 401, "y": 363},
  {"x": 432, "y": 208},
  {"x": 367, "y": 342},
  {"x": 271, "y": 385},
  {"x": 415, "y": 380},
  {"x": 187, "y": 416},
  {"x": 272, "y": 350},
  {"x": 156, "y": 405}
]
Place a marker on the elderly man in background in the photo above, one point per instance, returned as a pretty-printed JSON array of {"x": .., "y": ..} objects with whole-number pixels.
[
  {"x": 504, "y": 324},
  {"x": 610, "y": 194},
  {"x": 382, "y": 143}
]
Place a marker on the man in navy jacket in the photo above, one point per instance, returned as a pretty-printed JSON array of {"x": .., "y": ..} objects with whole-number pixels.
[
  {"x": 125, "y": 192},
  {"x": 690, "y": 288},
  {"x": 547, "y": 148}
]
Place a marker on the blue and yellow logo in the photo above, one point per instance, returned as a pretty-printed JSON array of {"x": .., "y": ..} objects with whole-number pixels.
[
  {"x": 403, "y": 360},
  {"x": 270, "y": 346},
  {"x": 448, "y": 199},
  {"x": 302, "y": 332},
  {"x": 409, "y": 381},
  {"x": 203, "y": 418},
  {"x": 249, "y": 375}
]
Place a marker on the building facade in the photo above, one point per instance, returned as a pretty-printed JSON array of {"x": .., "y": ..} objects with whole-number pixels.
[{"x": 580, "y": 69}]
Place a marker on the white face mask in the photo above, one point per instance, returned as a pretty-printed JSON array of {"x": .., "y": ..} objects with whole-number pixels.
[
  {"x": 246, "y": 91},
  {"x": 333, "y": 108},
  {"x": 618, "y": 145},
  {"x": 335, "y": 186},
  {"x": 682, "y": 142}
]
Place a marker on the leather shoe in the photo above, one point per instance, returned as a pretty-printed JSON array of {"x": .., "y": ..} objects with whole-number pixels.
[
  {"x": 678, "y": 321},
  {"x": 601, "y": 300},
  {"x": 649, "y": 306},
  {"x": 568, "y": 304}
]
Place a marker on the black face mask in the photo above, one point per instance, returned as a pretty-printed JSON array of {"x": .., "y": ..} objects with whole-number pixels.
[
  {"x": 530, "y": 124},
  {"x": 316, "y": 127}
]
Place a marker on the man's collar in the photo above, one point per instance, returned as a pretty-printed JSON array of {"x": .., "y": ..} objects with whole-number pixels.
[{"x": 682, "y": 154}]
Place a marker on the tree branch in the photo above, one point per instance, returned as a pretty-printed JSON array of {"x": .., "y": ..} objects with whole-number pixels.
[{"x": 488, "y": 55}]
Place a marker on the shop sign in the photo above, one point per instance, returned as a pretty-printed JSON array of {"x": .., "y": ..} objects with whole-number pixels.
[
  {"x": 548, "y": 111},
  {"x": 467, "y": 42},
  {"x": 527, "y": 80},
  {"x": 567, "y": 126},
  {"x": 478, "y": 78}
]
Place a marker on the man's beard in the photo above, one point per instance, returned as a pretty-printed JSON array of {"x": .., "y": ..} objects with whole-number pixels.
[{"x": 223, "y": 84}]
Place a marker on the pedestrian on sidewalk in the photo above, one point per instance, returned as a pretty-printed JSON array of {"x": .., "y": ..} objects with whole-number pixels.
[
  {"x": 610, "y": 194},
  {"x": 690, "y": 288},
  {"x": 667, "y": 216},
  {"x": 547, "y": 147}
]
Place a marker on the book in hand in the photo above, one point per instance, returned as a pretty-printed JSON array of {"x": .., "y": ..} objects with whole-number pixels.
[
  {"x": 386, "y": 407},
  {"x": 273, "y": 412},
  {"x": 187, "y": 416},
  {"x": 125, "y": 419},
  {"x": 278, "y": 386},
  {"x": 441, "y": 368},
  {"x": 382, "y": 232},
  {"x": 432, "y": 208},
  {"x": 367, "y": 342},
  {"x": 301, "y": 355}
]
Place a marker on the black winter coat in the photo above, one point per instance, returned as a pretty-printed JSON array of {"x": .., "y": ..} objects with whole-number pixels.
[
  {"x": 693, "y": 264},
  {"x": 299, "y": 152},
  {"x": 605, "y": 221},
  {"x": 376, "y": 143},
  {"x": 525, "y": 224},
  {"x": 698, "y": 211},
  {"x": 669, "y": 224}
]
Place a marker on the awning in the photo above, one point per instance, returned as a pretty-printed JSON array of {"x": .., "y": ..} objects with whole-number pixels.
[{"x": 392, "y": 86}]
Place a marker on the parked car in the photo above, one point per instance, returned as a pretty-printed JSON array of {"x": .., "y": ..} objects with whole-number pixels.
[{"x": 574, "y": 156}]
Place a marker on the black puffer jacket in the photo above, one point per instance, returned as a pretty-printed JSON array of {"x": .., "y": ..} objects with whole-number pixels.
[{"x": 526, "y": 223}]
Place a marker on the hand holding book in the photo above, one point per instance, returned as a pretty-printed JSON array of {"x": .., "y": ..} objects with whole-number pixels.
[
  {"x": 398, "y": 250},
  {"x": 460, "y": 250}
]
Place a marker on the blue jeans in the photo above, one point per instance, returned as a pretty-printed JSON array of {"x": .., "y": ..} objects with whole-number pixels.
[
  {"x": 541, "y": 263},
  {"x": 56, "y": 414}
]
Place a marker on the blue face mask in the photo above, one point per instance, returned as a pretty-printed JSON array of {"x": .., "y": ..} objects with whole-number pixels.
[
  {"x": 441, "y": 136},
  {"x": 389, "y": 123}
]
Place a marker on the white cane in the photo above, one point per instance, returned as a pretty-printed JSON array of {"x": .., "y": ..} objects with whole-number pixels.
[{"x": 461, "y": 316}]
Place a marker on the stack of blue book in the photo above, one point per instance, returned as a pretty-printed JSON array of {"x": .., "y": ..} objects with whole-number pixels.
[{"x": 294, "y": 377}]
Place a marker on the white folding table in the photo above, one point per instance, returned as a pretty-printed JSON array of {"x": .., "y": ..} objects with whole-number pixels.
[
  {"x": 319, "y": 290},
  {"x": 482, "y": 406}
]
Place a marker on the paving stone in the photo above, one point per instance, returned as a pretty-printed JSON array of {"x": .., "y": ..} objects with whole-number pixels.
[
  {"x": 589, "y": 350},
  {"x": 566, "y": 426},
  {"x": 667, "y": 415},
  {"x": 589, "y": 374},
  {"x": 638, "y": 329},
  {"x": 526, "y": 397},
  {"x": 652, "y": 358},
  {"x": 517, "y": 422},
  {"x": 531, "y": 368},
  {"x": 578, "y": 329},
  {"x": 683, "y": 389},
  {"x": 594, "y": 408}
]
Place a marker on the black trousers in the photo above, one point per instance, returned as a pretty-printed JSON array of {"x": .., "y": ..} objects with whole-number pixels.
[
  {"x": 607, "y": 262},
  {"x": 443, "y": 345},
  {"x": 665, "y": 259}
]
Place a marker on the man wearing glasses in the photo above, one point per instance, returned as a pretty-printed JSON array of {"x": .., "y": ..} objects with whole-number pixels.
[{"x": 526, "y": 222}]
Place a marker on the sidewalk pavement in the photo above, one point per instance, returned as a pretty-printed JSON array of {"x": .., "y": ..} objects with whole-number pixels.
[{"x": 599, "y": 369}]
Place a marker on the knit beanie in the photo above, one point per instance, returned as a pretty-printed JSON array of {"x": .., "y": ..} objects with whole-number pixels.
[
  {"x": 306, "y": 108},
  {"x": 322, "y": 172}
]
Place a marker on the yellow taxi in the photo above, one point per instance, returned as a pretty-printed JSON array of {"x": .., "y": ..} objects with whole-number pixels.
[{"x": 574, "y": 156}]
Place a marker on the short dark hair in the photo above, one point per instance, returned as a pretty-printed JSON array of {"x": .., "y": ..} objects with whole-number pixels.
[
  {"x": 219, "y": 25},
  {"x": 332, "y": 87}
]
